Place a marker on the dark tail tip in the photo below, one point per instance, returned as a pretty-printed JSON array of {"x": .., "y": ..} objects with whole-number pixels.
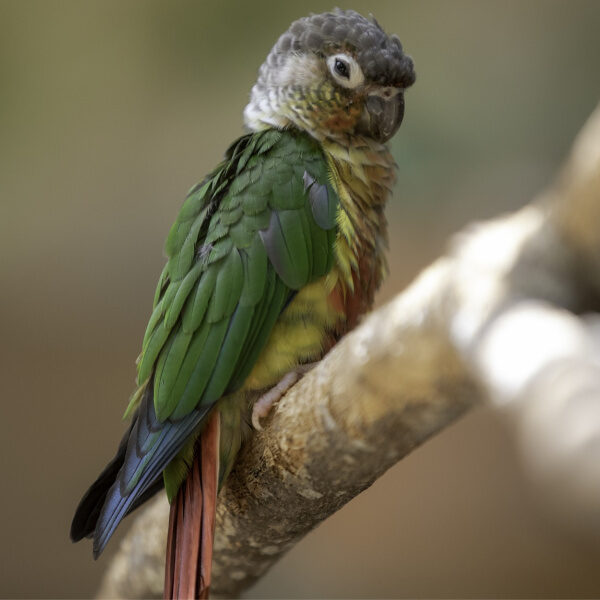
[{"x": 88, "y": 510}]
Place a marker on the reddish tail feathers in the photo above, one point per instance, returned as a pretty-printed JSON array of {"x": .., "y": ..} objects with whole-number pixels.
[{"x": 192, "y": 521}]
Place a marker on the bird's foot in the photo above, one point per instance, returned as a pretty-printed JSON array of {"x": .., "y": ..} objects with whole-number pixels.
[{"x": 262, "y": 407}]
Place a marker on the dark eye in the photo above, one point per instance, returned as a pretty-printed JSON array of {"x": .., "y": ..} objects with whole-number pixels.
[{"x": 341, "y": 68}]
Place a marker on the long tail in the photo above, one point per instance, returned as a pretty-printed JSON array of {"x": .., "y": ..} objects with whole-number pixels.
[{"x": 192, "y": 520}]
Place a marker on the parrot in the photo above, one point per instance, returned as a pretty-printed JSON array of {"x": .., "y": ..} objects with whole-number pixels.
[{"x": 272, "y": 258}]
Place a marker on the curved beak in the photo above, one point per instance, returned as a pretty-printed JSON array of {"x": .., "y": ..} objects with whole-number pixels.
[{"x": 382, "y": 114}]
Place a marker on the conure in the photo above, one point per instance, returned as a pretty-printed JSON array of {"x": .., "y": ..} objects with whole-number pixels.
[{"x": 272, "y": 258}]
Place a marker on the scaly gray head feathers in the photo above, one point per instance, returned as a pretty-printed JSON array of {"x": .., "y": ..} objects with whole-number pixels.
[{"x": 334, "y": 75}]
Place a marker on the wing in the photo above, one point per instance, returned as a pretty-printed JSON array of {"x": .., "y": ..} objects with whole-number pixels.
[
  {"x": 243, "y": 243},
  {"x": 258, "y": 229}
]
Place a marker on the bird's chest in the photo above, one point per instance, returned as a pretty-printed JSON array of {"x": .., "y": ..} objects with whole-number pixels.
[{"x": 363, "y": 185}]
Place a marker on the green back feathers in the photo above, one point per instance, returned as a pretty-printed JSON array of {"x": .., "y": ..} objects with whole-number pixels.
[{"x": 260, "y": 227}]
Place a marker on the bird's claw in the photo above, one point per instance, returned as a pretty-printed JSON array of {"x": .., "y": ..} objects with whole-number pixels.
[{"x": 262, "y": 407}]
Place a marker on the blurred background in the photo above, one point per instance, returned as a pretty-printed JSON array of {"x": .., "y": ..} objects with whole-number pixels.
[{"x": 109, "y": 112}]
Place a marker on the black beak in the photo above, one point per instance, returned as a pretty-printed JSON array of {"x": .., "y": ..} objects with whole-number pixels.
[{"x": 382, "y": 116}]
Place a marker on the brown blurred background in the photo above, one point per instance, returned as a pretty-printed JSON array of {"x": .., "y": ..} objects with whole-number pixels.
[{"x": 109, "y": 112}]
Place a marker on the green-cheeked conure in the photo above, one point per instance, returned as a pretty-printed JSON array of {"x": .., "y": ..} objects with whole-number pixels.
[{"x": 273, "y": 257}]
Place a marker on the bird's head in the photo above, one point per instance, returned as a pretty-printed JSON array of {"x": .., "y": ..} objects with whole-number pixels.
[{"x": 334, "y": 75}]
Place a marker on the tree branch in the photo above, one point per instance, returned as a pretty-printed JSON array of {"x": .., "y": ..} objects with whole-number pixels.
[{"x": 449, "y": 341}]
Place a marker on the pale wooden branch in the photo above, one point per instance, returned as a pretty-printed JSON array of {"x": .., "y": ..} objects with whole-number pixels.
[{"x": 410, "y": 369}]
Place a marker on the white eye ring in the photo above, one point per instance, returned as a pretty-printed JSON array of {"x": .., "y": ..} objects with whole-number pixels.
[{"x": 345, "y": 70}]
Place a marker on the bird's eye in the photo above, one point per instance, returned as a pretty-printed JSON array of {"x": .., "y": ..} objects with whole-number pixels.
[
  {"x": 345, "y": 70},
  {"x": 342, "y": 68}
]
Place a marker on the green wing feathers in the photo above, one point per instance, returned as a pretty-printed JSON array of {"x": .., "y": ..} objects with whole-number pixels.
[{"x": 260, "y": 227}]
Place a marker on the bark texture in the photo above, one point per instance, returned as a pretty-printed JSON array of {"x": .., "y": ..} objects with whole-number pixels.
[{"x": 497, "y": 319}]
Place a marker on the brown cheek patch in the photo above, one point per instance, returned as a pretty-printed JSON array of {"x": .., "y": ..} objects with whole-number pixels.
[{"x": 342, "y": 120}]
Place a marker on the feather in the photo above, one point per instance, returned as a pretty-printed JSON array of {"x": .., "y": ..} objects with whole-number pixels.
[
  {"x": 151, "y": 350},
  {"x": 195, "y": 385},
  {"x": 231, "y": 349},
  {"x": 254, "y": 261},
  {"x": 196, "y": 309},
  {"x": 183, "y": 291},
  {"x": 255, "y": 202},
  {"x": 286, "y": 248},
  {"x": 181, "y": 245},
  {"x": 167, "y": 369},
  {"x": 228, "y": 288},
  {"x": 323, "y": 202},
  {"x": 191, "y": 367}
]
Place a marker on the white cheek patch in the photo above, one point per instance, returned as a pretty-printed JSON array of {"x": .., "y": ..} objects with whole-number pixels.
[
  {"x": 356, "y": 75},
  {"x": 299, "y": 69}
]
